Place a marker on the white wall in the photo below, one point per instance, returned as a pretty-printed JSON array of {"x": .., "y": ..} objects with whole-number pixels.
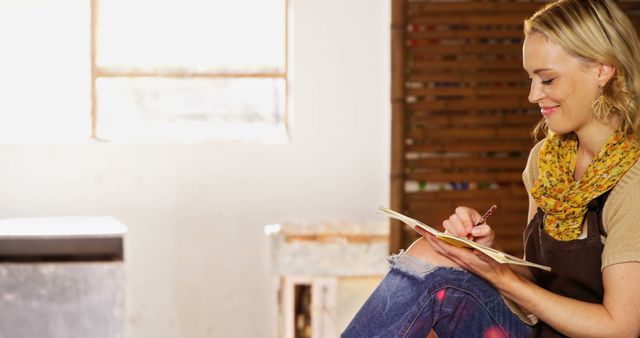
[{"x": 197, "y": 258}]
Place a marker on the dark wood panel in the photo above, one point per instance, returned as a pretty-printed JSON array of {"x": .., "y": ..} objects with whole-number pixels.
[
  {"x": 471, "y": 32},
  {"x": 457, "y": 146},
  {"x": 438, "y": 121},
  {"x": 462, "y": 19},
  {"x": 464, "y": 176},
  {"x": 517, "y": 207},
  {"x": 472, "y": 104},
  {"x": 472, "y": 47},
  {"x": 452, "y": 134},
  {"x": 517, "y": 92},
  {"x": 467, "y": 195},
  {"x": 467, "y": 65},
  {"x": 471, "y": 162},
  {"x": 472, "y": 8}
]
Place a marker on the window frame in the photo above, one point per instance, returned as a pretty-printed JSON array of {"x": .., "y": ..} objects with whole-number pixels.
[{"x": 186, "y": 73}]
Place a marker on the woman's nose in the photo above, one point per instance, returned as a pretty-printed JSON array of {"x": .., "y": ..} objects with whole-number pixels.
[{"x": 535, "y": 93}]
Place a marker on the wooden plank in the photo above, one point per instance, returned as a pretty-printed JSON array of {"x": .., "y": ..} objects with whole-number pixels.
[
  {"x": 515, "y": 192},
  {"x": 462, "y": 19},
  {"x": 507, "y": 196},
  {"x": 505, "y": 91},
  {"x": 514, "y": 133},
  {"x": 489, "y": 146},
  {"x": 478, "y": 133},
  {"x": 463, "y": 12},
  {"x": 472, "y": 32},
  {"x": 501, "y": 120},
  {"x": 442, "y": 91},
  {"x": 518, "y": 206},
  {"x": 397, "y": 237},
  {"x": 511, "y": 230},
  {"x": 472, "y": 104},
  {"x": 484, "y": 73},
  {"x": 464, "y": 64},
  {"x": 472, "y": 162},
  {"x": 510, "y": 246},
  {"x": 462, "y": 176},
  {"x": 449, "y": 206},
  {"x": 472, "y": 47},
  {"x": 518, "y": 76},
  {"x": 426, "y": 8}
]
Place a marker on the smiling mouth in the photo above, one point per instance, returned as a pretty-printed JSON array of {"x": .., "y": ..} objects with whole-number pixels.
[{"x": 546, "y": 111}]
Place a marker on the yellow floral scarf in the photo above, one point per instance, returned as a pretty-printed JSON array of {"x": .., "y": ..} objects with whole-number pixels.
[{"x": 565, "y": 200}]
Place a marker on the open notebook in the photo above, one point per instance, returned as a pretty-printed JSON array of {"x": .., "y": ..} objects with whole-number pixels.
[{"x": 462, "y": 242}]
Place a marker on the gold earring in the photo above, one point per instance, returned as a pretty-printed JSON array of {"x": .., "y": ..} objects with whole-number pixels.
[{"x": 601, "y": 107}]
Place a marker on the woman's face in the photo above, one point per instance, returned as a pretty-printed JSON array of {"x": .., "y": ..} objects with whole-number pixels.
[{"x": 561, "y": 84}]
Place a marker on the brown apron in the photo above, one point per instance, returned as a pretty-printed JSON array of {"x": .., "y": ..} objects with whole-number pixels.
[{"x": 575, "y": 265}]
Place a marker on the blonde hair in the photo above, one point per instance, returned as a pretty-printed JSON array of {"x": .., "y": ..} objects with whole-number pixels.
[{"x": 597, "y": 31}]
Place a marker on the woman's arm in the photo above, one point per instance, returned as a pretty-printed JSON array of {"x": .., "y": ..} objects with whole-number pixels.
[{"x": 618, "y": 316}]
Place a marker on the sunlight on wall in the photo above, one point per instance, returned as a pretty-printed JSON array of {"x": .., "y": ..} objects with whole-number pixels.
[{"x": 45, "y": 71}]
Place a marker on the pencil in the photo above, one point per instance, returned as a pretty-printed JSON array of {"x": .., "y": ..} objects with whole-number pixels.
[{"x": 487, "y": 214}]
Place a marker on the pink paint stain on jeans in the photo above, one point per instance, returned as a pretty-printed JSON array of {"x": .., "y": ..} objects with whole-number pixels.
[
  {"x": 440, "y": 295},
  {"x": 495, "y": 332}
]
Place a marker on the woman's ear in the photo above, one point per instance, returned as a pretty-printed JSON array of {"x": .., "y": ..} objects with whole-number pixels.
[{"x": 605, "y": 73}]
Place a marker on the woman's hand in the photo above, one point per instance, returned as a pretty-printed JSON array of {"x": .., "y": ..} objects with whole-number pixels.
[
  {"x": 473, "y": 261},
  {"x": 463, "y": 223}
]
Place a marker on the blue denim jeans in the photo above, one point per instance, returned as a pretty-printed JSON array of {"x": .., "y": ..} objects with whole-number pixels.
[{"x": 415, "y": 297}]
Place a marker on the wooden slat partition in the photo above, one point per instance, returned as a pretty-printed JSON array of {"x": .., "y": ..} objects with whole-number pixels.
[
  {"x": 398, "y": 236},
  {"x": 461, "y": 118}
]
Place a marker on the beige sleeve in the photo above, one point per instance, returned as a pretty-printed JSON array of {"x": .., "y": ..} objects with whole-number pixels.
[
  {"x": 529, "y": 176},
  {"x": 621, "y": 219}
]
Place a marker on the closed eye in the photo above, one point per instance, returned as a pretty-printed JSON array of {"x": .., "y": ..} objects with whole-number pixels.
[{"x": 547, "y": 82}]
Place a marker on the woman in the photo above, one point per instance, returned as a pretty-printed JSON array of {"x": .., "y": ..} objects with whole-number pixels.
[{"x": 583, "y": 180}]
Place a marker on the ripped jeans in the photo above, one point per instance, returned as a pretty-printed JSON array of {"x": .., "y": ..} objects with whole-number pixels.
[{"x": 416, "y": 297}]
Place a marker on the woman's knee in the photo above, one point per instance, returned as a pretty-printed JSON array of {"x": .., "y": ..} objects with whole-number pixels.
[{"x": 422, "y": 250}]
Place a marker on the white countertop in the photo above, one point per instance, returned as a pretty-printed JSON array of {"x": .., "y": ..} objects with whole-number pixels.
[{"x": 34, "y": 227}]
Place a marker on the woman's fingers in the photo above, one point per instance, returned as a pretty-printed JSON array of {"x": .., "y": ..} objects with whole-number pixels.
[
  {"x": 455, "y": 253},
  {"x": 423, "y": 233},
  {"x": 481, "y": 230},
  {"x": 465, "y": 215},
  {"x": 456, "y": 226},
  {"x": 462, "y": 221}
]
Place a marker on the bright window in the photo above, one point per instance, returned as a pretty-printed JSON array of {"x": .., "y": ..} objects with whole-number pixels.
[{"x": 143, "y": 70}]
